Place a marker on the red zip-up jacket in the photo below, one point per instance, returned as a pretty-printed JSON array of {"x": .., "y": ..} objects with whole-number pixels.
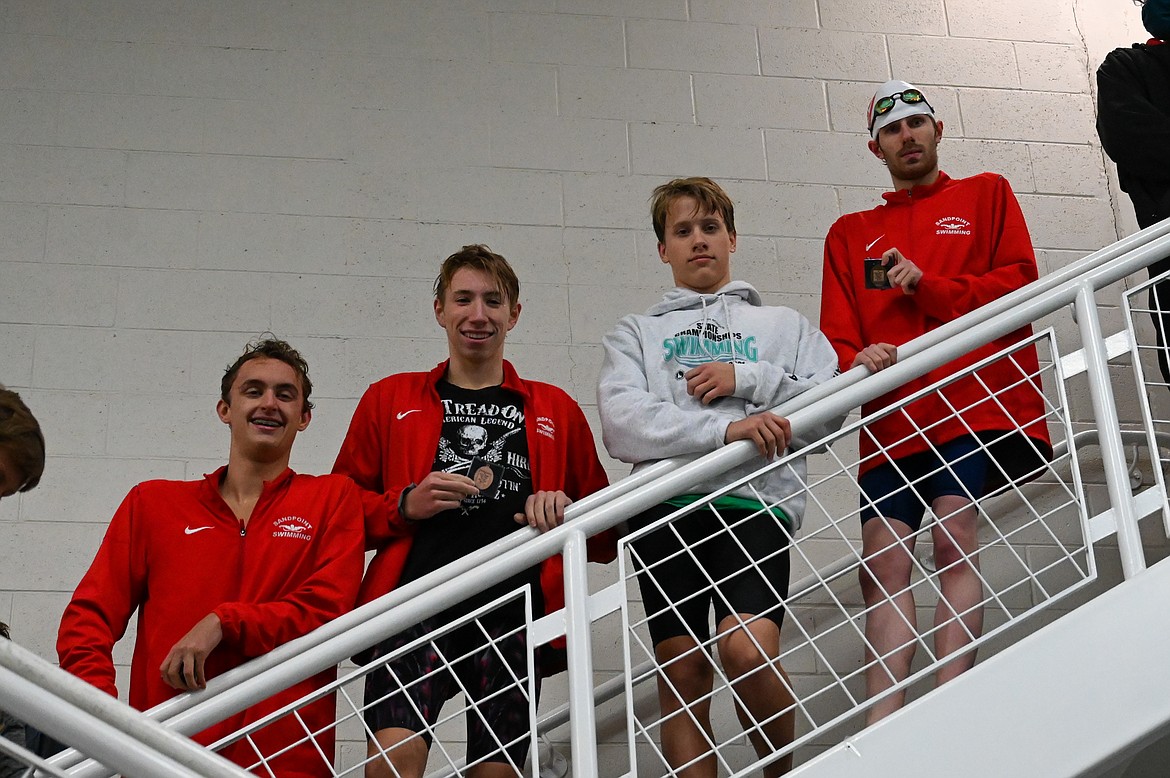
[
  {"x": 391, "y": 444},
  {"x": 175, "y": 552},
  {"x": 969, "y": 238}
]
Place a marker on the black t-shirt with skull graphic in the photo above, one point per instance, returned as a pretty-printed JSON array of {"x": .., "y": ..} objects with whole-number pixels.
[{"x": 483, "y": 438}]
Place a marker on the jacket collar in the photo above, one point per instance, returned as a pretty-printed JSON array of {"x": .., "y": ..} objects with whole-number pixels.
[
  {"x": 212, "y": 480},
  {"x": 512, "y": 380},
  {"x": 903, "y": 196}
]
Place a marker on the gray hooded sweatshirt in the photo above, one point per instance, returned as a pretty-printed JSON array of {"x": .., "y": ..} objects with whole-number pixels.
[{"x": 646, "y": 413}]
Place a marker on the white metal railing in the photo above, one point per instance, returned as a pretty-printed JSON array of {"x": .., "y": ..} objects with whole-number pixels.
[
  {"x": 438, "y": 591},
  {"x": 820, "y": 618}
]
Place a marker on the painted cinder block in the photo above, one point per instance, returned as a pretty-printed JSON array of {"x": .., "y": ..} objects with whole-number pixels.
[
  {"x": 762, "y": 13},
  {"x": 925, "y": 17},
  {"x": 489, "y": 196},
  {"x": 273, "y": 242},
  {"x": 57, "y": 294},
  {"x": 47, "y": 174},
  {"x": 609, "y": 202},
  {"x": 1044, "y": 21},
  {"x": 382, "y": 247},
  {"x": 180, "y": 426},
  {"x": 279, "y": 129},
  {"x": 31, "y": 18},
  {"x": 1052, "y": 67},
  {"x": 966, "y": 157},
  {"x": 372, "y": 306},
  {"x": 199, "y": 182},
  {"x": 1068, "y": 222},
  {"x": 625, "y": 93},
  {"x": 28, "y": 116},
  {"x": 126, "y": 237},
  {"x": 392, "y": 140},
  {"x": 783, "y": 210},
  {"x": 331, "y": 188},
  {"x": 67, "y": 64},
  {"x": 645, "y": 9},
  {"x": 610, "y": 254},
  {"x": 559, "y": 144},
  {"x": 958, "y": 61},
  {"x": 558, "y": 39},
  {"x": 1033, "y": 116},
  {"x": 1068, "y": 169},
  {"x": 22, "y": 232},
  {"x": 760, "y": 101},
  {"x": 681, "y": 150},
  {"x": 50, "y": 556},
  {"x": 107, "y": 481},
  {"x": 137, "y": 122},
  {"x": 181, "y": 70},
  {"x": 820, "y": 158},
  {"x": 16, "y": 354},
  {"x": 213, "y": 300},
  {"x": 543, "y": 318},
  {"x": 113, "y": 360},
  {"x": 594, "y": 310},
  {"x": 823, "y": 54},
  {"x": 694, "y": 47}
]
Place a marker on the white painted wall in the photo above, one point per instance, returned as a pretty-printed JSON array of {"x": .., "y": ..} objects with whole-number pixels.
[{"x": 177, "y": 177}]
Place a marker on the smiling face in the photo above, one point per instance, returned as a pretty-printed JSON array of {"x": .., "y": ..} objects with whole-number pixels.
[
  {"x": 909, "y": 147},
  {"x": 697, "y": 246},
  {"x": 477, "y": 315},
  {"x": 266, "y": 409}
]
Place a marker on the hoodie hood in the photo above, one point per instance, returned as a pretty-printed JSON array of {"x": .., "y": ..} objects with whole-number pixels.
[{"x": 679, "y": 299}]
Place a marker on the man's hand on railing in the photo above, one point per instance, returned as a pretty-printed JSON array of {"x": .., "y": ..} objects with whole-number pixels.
[
  {"x": 544, "y": 510},
  {"x": 183, "y": 667},
  {"x": 436, "y": 493},
  {"x": 768, "y": 431},
  {"x": 876, "y": 356}
]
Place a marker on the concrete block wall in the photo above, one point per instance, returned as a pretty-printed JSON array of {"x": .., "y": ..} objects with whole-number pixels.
[{"x": 177, "y": 177}]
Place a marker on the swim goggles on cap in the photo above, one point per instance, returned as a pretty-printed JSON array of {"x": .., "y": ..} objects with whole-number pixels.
[{"x": 886, "y": 104}]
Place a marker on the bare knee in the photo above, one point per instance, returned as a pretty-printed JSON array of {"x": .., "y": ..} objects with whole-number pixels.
[
  {"x": 690, "y": 675},
  {"x": 396, "y": 754},
  {"x": 884, "y": 574},
  {"x": 742, "y": 651}
]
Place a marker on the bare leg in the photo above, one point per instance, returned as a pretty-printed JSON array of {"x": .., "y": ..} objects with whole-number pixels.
[
  {"x": 493, "y": 770},
  {"x": 688, "y": 677},
  {"x": 955, "y": 543},
  {"x": 407, "y": 759},
  {"x": 890, "y": 624},
  {"x": 761, "y": 691}
]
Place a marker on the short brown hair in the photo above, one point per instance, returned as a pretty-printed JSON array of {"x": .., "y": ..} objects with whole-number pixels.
[
  {"x": 21, "y": 437},
  {"x": 709, "y": 195},
  {"x": 479, "y": 257},
  {"x": 269, "y": 348}
]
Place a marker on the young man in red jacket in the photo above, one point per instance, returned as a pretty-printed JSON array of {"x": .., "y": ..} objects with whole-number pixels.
[
  {"x": 937, "y": 248},
  {"x": 451, "y": 460},
  {"x": 228, "y": 567}
]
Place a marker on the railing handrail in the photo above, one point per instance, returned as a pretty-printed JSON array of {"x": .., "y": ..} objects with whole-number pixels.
[{"x": 237, "y": 689}]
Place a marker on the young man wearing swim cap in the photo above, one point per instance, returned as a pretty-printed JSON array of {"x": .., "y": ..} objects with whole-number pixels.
[{"x": 936, "y": 249}]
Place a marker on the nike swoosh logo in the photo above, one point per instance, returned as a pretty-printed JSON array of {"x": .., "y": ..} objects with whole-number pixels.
[
  {"x": 189, "y": 531},
  {"x": 403, "y": 414},
  {"x": 875, "y": 240}
]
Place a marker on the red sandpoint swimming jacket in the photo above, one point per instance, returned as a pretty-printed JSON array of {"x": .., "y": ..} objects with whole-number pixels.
[
  {"x": 392, "y": 441},
  {"x": 969, "y": 238},
  {"x": 175, "y": 552}
]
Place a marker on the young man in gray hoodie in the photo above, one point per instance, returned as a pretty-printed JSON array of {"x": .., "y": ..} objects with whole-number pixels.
[{"x": 697, "y": 371}]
